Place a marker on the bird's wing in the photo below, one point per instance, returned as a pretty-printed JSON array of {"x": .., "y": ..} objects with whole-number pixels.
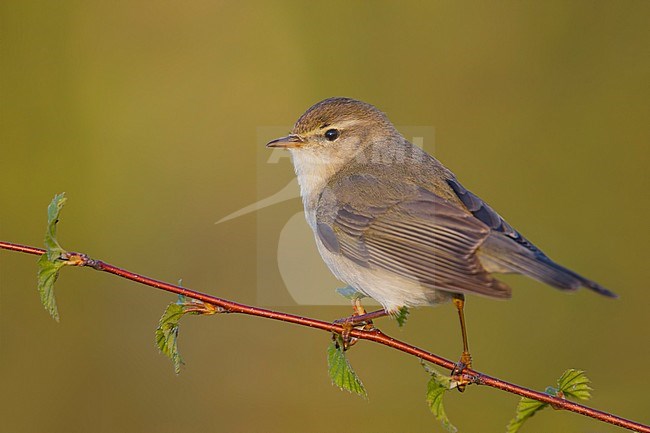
[
  {"x": 411, "y": 232},
  {"x": 509, "y": 251},
  {"x": 483, "y": 212}
]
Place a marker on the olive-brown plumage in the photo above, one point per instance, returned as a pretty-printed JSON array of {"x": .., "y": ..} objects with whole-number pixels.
[{"x": 394, "y": 223}]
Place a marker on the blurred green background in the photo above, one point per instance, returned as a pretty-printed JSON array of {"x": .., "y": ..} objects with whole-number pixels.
[{"x": 147, "y": 114}]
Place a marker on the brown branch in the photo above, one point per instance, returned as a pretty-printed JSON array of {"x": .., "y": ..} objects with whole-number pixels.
[{"x": 372, "y": 335}]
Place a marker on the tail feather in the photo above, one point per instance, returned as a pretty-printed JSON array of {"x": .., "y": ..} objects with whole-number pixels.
[
  {"x": 500, "y": 254},
  {"x": 563, "y": 273}
]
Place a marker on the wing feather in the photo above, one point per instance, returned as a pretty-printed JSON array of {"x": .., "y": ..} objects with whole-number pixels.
[{"x": 420, "y": 237}]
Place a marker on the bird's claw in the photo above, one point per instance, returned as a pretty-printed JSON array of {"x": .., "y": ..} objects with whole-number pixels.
[
  {"x": 348, "y": 324},
  {"x": 355, "y": 321},
  {"x": 458, "y": 378},
  {"x": 345, "y": 338}
]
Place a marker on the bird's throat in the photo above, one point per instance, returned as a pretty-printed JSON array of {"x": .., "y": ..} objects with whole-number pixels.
[{"x": 313, "y": 171}]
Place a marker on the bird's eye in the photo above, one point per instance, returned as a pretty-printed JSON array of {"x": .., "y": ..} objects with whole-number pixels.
[{"x": 332, "y": 134}]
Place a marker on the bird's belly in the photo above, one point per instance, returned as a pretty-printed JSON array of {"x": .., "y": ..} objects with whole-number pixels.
[{"x": 392, "y": 291}]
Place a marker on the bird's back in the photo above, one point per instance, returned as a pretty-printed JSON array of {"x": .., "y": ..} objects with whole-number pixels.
[{"x": 404, "y": 169}]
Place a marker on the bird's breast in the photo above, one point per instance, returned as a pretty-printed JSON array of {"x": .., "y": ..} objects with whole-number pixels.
[{"x": 313, "y": 171}]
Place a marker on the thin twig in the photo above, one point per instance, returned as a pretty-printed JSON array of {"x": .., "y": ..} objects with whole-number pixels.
[{"x": 371, "y": 335}]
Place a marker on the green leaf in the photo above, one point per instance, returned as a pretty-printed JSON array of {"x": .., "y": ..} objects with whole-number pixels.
[
  {"x": 525, "y": 409},
  {"x": 402, "y": 315},
  {"x": 574, "y": 384},
  {"x": 341, "y": 371},
  {"x": 168, "y": 326},
  {"x": 350, "y": 292},
  {"x": 48, "y": 272},
  {"x": 436, "y": 388},
  {"x": 167, "y": 334},
  {"x": 50, "y": 263},
  {"x": 52, "y": 246}
]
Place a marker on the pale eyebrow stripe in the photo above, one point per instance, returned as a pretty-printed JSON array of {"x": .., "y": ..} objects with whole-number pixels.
[{"x": 341, "y": 125}]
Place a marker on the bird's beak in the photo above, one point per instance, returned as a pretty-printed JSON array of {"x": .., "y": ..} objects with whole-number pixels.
[{"x": 291, "y": 141}]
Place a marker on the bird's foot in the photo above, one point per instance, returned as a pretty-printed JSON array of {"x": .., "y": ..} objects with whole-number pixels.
[
  {"x": 350, "y": 323},
  {"x": 458, "y": 378},
  {"x": 345, "y": 339},
  {"x": 358, "y": 320}
]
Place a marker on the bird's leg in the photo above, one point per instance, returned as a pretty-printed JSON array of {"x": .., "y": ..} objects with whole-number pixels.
[
  {"x": 465, "y": 358},
  {"x": 358, "y": 318},
  {"x": 365, "y": 318},
  {"x": 357, "y": 307}
]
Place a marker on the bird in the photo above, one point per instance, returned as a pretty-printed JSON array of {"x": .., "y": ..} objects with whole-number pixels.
[{"x": 396, "y": 225}]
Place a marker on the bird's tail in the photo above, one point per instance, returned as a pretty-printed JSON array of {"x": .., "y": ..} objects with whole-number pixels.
[{"x": 500, "y": 254}]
